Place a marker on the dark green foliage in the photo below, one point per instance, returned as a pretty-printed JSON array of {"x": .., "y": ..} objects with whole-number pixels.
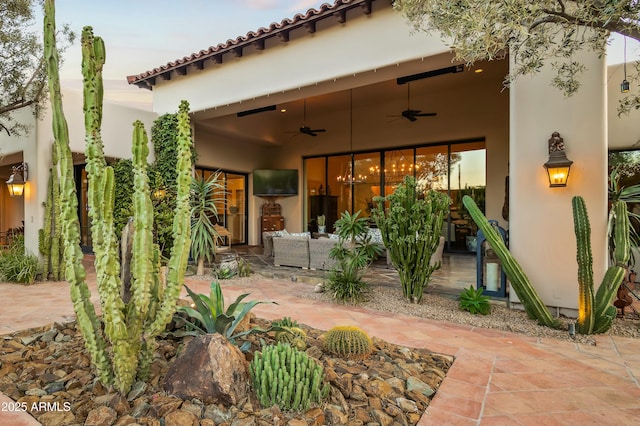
[
  {"x": 16, "y": 266},
  {"x": 474, "y": 301},
  {"x": 210, "y": 316},
  {"x": 163, "y": 137},
  {"x": 288, "y": 378},
  {"x": 411, "y": 229},
  {"x": 348, "y": 341},
  {"x": 354, "y": 251}
]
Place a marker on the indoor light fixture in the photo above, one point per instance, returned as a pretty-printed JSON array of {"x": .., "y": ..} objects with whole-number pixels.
[
  {"x": 17, "y": 180},
  {"x": 349, "y": 177},
  {"x": 559, "y": 165},
  {"x": 624, "y": 86}
]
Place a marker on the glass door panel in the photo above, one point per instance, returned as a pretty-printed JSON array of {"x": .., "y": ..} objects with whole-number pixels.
[
  {"x": 397, "y": 165},
  {"x": 367, "y": 182},
  {"x": 315, "y": 184},
  {"x": 236, "y": 214},
  {"x": 339, "y": 172},
  {"x": 467, "y": 177}
]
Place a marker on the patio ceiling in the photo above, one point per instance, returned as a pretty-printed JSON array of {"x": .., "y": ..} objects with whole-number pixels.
[{"x": 376, "y": 105}]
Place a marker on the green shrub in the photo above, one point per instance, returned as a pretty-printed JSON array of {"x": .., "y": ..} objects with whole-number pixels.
[
  {"x": 16, "y": 266},
  {"x": 287, "y": 377},
  {"x": 353, "y": 252},
  {"x": 348, "y": 341},
  {"x": 474, "y": 301}
]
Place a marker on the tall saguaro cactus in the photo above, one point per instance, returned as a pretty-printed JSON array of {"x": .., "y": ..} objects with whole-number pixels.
[
  {"x": 595, "y": 310},
  {"x": 122, "y": 352}
]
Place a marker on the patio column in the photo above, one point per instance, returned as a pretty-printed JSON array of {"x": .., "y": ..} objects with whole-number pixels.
[{"x": 541, "y": 222}]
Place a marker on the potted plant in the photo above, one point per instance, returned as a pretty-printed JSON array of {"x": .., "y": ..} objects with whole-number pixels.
[{"x": 322, "y": 228}]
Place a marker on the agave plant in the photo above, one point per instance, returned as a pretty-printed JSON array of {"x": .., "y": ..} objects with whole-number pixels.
[{"x": 210, "y": 315}]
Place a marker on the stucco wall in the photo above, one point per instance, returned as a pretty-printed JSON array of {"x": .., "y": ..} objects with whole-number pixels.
[
  {"x": 624, "y": 130},
  {"x": 541, "y": 225}
]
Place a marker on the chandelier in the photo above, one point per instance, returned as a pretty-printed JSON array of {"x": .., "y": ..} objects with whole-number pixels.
[
  {"x": 349, "y": 177},
  {"x": 396, "y": 168}
]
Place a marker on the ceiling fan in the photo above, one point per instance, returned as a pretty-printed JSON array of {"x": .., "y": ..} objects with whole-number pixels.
[
  {"x": 413, "y": 114},
  {"x": 306, "y": 130}
]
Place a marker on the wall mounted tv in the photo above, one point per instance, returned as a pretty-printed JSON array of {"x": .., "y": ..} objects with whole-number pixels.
[{"x": 275, "y": 183}]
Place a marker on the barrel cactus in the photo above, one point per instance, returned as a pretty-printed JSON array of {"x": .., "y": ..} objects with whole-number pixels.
[
  {"x": 287, "y": 377},
  {"x": 349, "y": 342},
  {"x": 295, "y": 336}
]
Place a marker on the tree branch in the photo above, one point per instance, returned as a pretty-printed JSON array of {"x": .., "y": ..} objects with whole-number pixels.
[{"x": 555, "y": 17}]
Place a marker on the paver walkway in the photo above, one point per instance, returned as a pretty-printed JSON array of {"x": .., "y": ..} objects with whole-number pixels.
[{"x": 498, "y": 378}]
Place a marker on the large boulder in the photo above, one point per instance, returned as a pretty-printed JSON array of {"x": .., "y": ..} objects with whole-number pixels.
[{"x": 211, "y": 369}]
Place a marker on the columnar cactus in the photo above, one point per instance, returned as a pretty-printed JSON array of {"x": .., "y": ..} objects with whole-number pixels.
[
  {"x": 287, "y": 377},
  {"x": 520, "y": 283},
  {"x": 123, "y": 352},
  {"x": 595, "y": 311},
  {"x": 411, "y": 229}
]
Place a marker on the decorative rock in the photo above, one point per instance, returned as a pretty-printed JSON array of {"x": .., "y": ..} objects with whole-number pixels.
[
  {"x": 120, "y": 404},
  {"x": 247, "y": 421},
  {"x": 296, "y": 422},
  {"x": 101, "y": 416},
  {"x": 415, "y": 384},
  {"x": 207, "y": 422},
  {"x": 381, "y": 417},
  {"x": 407, "y": 405},
  {"x": 378, "y": 388},
  {"x": 316, "y": 415},
  {"x": 54, "y": 387},
  {"x": 140, "y": 409},
  {"x": 214, "y": 413},
  {"x": 36, "y": 392},
  {"x": 163, "y": 405},
  {"x": 195, "y": 409},
  {"x": 126, "y": 421},
  {"x": 57, "y": 418},
  {"x": 319, "y": 288},
  {"x": 137, "y": 389},
  {"x": 210, "y": 369},
  {"x": 181, "y": 418},
  {"x": 335, "y": 416}
]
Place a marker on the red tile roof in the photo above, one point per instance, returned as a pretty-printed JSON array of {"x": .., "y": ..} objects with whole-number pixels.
[{"x": 257, "y": 39}]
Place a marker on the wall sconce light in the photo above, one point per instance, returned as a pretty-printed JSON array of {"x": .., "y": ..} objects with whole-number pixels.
[
  {"x": 559, "y": 165},
  {"x": 17, "y": 180}
]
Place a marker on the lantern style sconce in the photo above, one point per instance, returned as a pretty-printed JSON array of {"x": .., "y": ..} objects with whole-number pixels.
[
  {"x": 559, "y": 165},
  {"x": 18, "y": 179}
]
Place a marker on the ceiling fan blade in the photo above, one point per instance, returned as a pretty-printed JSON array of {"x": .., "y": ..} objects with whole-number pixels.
[
  {"x": 426, "y": 114},
  {"x": 319, "y": 130}
]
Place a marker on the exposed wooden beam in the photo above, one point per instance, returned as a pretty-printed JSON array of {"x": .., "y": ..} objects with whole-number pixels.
[
  {"x": 166, "y": 75},
  {"x": 237, "y": 52},
  {"x": 366, "y": 7},
  {"x": 341, "y": 15},
  {"x": 199, "y": 64},
  {"x": 217, "y": 58},
  {"x": 310, "y": 27},
  {"x": 284, "y": 36},
  {"x": 182, "y": 70},
  {"x": 259, "y": 44}
]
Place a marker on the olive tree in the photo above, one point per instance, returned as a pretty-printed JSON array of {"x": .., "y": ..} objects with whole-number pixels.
[
  {"x": 534, "y": 33},
  {"x": 23, "y": 76}
]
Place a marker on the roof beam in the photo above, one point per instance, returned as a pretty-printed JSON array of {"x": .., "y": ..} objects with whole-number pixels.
[
  {"x": 259, "y": 44},
  {"x": 341, "y": 15},
  {"x": 283, "y": 35},
  {"x": 310, "y": 27}
]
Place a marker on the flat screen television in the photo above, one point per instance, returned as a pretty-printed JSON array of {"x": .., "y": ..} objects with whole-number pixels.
[{"x": 275, "y": 183}]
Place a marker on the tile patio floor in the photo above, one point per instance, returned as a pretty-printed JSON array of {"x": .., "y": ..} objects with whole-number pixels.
[{"x": 498, "y": 378}]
